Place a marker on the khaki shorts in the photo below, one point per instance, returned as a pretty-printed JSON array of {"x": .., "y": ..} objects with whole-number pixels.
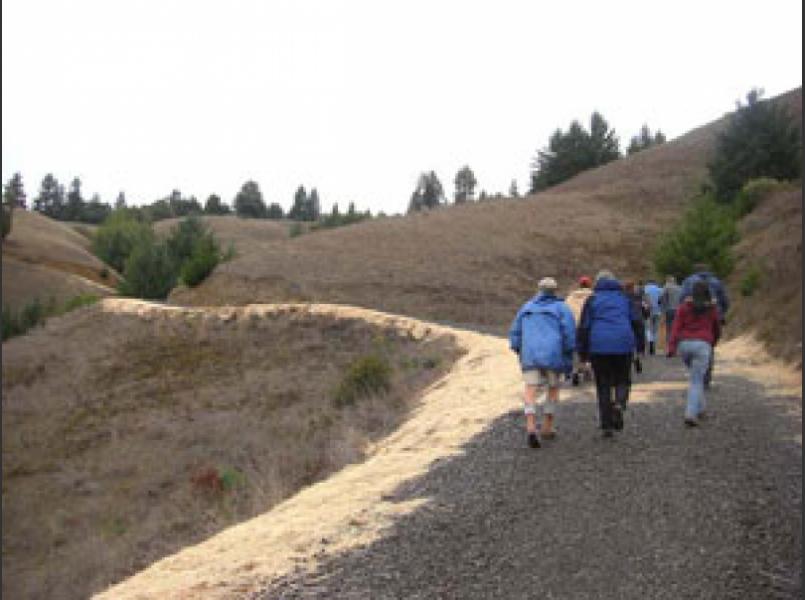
[{"x": 541, "y": 377}]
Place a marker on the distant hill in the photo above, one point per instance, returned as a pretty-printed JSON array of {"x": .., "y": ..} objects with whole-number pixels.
[
  {"x": 44, "y": 259},
  {"x": 474, "y": 264}
]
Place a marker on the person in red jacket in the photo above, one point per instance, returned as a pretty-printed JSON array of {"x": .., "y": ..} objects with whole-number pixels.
[{"x": 694, "y": 334}]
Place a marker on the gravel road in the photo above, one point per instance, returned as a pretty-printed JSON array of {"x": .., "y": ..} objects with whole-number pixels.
[{"x": 661, "y": 511}]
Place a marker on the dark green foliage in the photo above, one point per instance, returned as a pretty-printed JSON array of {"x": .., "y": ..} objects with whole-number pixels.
[
  {"x": 34, "y": 314},
  {"x": 570, "y": 153},
  {"x": 214, "y": 206},
  {"x": 753, "y": 192},
  {"x": 149, "y": 272},
  {"x": 760, "y": 140},
  {"x": 750, "y": 281},
  {"x": 13, "y": 198},
  {"x": 14, "y": 192},
  {"x": 117, "y": 237},
  {"x": 429, "y": 193},
  {"x": 336, "y": 219},
  {"x": 465, "y": 185},
  {"x": 249, "y": 201},
  {"x": 645, "y": 139},
  {"x": 274, "y": 211},
  {"x": 705, "y": 234},
  {"x": 205, "y": 257},
  {"x": 368, "y": 375},
  {"x": 183, "y": 238},
  {"x": 513, "y": 191},
  {"x": 305, "y": 207}
]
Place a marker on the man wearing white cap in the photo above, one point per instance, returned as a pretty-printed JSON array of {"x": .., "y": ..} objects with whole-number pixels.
[{"x": 543, "y": 334}]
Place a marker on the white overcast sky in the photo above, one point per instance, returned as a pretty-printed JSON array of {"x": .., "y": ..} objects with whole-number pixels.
[{"x": 356, "y": 98}]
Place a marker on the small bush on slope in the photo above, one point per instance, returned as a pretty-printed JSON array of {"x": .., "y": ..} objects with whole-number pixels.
[{"x": 705, "y": 234}]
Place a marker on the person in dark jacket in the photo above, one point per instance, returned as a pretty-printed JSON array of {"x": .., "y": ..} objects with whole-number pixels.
[
  {"x": 543, "y": 335},
  {"x": 694, "y": 334},
  {"x": 606, "y": 336},
  {"x": 641, "y": 307}
]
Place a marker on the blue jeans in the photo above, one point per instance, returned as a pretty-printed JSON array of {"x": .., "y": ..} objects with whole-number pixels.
[{"x": 696, "y": 356}]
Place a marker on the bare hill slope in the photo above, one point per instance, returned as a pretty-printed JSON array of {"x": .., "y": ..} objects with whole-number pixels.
[
  {"x": 43, "y": 258},
  {"x": 476, "y": 263}
]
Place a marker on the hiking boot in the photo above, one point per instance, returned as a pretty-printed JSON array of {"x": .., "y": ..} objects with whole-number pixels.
[
  {"x": 533, "y": 440},
  {"x": 691, "y": 422},
  {"x": 638, "y": 366},
  {"x": 617, "y": 418},
  {"x": 651, "y": 348}
]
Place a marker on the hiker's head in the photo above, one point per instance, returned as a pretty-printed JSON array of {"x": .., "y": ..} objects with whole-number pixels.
[
  {"x": 670, "y": 279},
  {"x": 547, "y": 285},
  {"x": 701, "y": 267},
  {"x": 585, "y": 282},
  {"x": 700, "y": 294},
  {"x": 604, "y": 274},
  {"x": 628, "y": 286}
]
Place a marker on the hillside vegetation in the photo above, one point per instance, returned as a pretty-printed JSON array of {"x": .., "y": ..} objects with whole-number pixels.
[
  {"x": 475, "y": 263},
  {"x": 131, "y": 430},
  {"x": 45, "y": 259}
]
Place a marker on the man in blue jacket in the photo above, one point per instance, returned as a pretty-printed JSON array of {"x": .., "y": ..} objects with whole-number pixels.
[
  {"x": 543, "y": 334},
  {"x": 606, "y": 337}
]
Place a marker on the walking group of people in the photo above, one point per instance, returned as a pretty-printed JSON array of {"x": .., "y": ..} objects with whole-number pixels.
[{"x": 601, "y": 331}]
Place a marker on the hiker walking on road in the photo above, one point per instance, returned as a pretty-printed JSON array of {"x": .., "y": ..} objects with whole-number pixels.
[
  {"x": 606, "y": 336},
  {"x": 640, "y": 307},
  {"x": 652, "y": 292},
  {"x": 669, "y": 300},
  {"x": 575, "y": 300},
  {"x": 694, "y": 334},
  {"x": 543, "y": 334},
  {"x": 719, "y": 295}
]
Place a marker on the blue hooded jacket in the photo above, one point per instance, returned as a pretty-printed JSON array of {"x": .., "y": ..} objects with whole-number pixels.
[
  {"x": 543, "y": 333},
  {"x": 609, "y": 321}
]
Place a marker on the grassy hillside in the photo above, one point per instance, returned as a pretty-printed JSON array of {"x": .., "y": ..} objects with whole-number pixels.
[
  {"x": 476, "y": 263},
  {"x": 131, "y": 430},
  {"x": 47, "y": 259}
]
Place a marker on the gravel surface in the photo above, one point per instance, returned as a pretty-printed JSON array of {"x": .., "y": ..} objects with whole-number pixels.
[{"x": 661, "y": 511}]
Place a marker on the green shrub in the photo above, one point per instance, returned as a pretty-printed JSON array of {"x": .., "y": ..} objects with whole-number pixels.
[
  {"x": 184, "y": 236},
  {"x": 115, "y": 240},
  {"x": 750, "y": 281},
  {"x": 36, "y": 312},
  {"x": 295, "y": 230},
  {"x": 202, "y": 261},
  {"x": 706, "y": 233},
  {"x": 368, "y": 375},
  {"x": 149, "y": 272},
  {"x": 752, "y": 193}
]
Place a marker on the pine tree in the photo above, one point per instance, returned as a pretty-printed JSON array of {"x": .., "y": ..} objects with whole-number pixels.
[
  {"x": 298, "y": 210},
  {"x": 570, "y": 153},
  {"x": 313, "y": 206},
  {"x": 428, "y": 193},
  {"x": 214, "y": 206},
  {"x": 465, "y": 185},
  {"x": 120, "y": 202},
  {"x": 75, "y": 202},
  {"x": 760, "y": 140},
  {"x": 645, "y": 139},
  {"x": 249, "y": 201},
  {"x": 13, "y": 197},
  {"x": 48, "y": 201},
  {"x": 513, "y": 191}
]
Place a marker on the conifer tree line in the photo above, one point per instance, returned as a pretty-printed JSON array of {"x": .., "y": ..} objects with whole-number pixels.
[{"x": 57, "y": 203}]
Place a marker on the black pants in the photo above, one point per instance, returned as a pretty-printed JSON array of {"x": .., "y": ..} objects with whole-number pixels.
[{"x": 611, "y": 371}]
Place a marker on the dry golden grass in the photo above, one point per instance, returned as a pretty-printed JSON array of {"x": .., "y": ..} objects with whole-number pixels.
[
  {"x": 249, "y": 236},
  {"x": 47, "y": 259},
  {"x": 771, "y": 243},
  {"x": 120, "y": 422}
]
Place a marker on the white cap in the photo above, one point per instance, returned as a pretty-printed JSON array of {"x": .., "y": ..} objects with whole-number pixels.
[{"x": 547, "y": 283}]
